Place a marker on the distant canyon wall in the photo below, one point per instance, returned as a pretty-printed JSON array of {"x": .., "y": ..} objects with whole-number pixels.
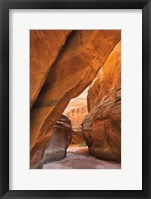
[{"x": 76, "y": 111}]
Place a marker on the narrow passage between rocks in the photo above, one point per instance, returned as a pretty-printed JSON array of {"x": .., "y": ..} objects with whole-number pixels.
[{"x": 79, "y": 158}]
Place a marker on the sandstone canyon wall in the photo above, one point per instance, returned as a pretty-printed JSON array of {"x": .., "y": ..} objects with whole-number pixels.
[
  {"x": 44, "y": 48},
  {"x": 74, "y": 69},
  {"x": 102, "y": 125},
  {"x": 76, "y": 111}
]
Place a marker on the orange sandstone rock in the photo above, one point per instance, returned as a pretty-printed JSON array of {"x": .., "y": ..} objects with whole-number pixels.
[
  {"x": 44, "y": 48},
  {"x": 57, "y": 145},
  {"x": 75, "y": 68},
  {"x": 102, "y": 125},
  {"x": 76, "y": 111}
]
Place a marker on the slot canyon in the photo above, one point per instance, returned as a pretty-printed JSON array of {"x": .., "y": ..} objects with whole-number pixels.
[{"x": 75, "y": 99}]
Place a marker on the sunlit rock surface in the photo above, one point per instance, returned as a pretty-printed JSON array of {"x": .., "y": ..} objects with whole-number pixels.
[
  {"x": 102, "y": 125},
  {"x": 76, "y": 111},
  {"x": 75, "y": 68},
  {"x": 44, "y": 48}
]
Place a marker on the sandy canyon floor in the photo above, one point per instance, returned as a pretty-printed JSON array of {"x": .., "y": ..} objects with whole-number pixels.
[{"x": 79, "y": 158}]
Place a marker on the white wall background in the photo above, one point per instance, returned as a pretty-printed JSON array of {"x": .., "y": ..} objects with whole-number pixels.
[{"x": 127, "y": 178}]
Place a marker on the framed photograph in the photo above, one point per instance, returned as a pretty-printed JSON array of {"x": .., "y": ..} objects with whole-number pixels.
[{"x": 75, "y": 99}]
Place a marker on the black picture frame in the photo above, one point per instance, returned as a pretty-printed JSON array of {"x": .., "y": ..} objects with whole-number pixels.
[{"x": 5, "y": 5}]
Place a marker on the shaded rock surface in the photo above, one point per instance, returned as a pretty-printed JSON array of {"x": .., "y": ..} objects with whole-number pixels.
[
  {"x": 75, "y": 68},
  {"x": 57, "y": 144},
  {"x": 102, "y": 125},
  {"x": 79, "y": 158},
  {"x": 44, "y": 48}
]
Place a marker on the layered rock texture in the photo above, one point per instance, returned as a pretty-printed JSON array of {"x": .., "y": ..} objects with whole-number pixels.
[
  {"x": 102, "y": 125},
  {"x": 74, "y": 69},
  {"x": 44, "y": 48},
  {"x": 76, "y": 111},
  {"x": 56, "y": 146}
]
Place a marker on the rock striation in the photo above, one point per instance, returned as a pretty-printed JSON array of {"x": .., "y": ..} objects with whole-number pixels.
[
  {"x": 102, "y": 125},
  {"x": 76, "y": 66},
  {"x": 76, "y": 111},
  {"x": 57, "y": 145},
  {"x": 44, "y": 48}
]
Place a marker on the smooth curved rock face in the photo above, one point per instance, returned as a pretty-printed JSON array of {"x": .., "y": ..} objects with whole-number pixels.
[
  {"x": 44, "y": 48},
  {"x": 102, "y": 126},
  {"x": 76, "y": 111},
  {"x": 57, "y": 145},
  {"x": 75, "y": 68}
]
